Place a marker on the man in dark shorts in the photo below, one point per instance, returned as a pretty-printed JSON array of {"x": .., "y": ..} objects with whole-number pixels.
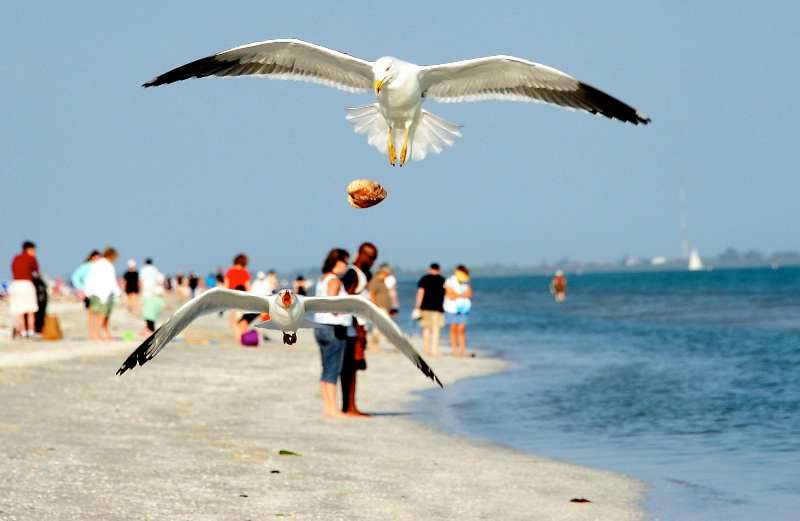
[
  {"x": 132, "y": 287},
  {"x": 355, "y": 282}
]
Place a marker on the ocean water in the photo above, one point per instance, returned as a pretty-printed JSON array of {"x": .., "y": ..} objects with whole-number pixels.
[{"x": 689, "y": 381}]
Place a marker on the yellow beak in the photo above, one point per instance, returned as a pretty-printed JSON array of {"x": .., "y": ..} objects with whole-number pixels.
[{"x": 379, "y": 85}]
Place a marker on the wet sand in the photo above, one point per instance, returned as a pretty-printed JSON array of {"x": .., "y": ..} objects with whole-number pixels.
[{"x": 211, "y": 430}]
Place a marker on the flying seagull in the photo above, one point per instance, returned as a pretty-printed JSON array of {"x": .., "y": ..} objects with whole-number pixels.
[
  {"x": 400, "y": 87},
  {"x": 287, "y": 313}
]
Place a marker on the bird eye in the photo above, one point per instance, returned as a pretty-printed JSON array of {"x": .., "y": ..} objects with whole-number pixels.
[{"x": 387, "y": 69}]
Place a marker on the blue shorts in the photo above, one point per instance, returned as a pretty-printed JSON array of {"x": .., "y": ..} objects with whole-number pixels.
[
  {"x": 331, "y": 350},
  {"x": 455, "y": 318}
]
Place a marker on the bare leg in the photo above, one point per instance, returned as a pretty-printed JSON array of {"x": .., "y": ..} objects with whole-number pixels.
[
  {"x": 426, "y": 340},
  {"x": 435, "y": 334},
  {"x": 349, "y": 374},
  {"x": 89, "y": 322},
  {"x": 352, "y": 410},
  {"x": 329, "y": 403},
  {"x": 22, "y": 325},
  {"x": 461, "y": 339},
  {"x": 454, "y": 338},
  {"x": 373, "y": 343},
  {"x": 105, "y": 334},
  {"x": 94, "y": 325}
]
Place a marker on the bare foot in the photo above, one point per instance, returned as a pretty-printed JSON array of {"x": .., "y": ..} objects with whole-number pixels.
[
  {"x": 357, "y": 414},
  {"x": 335, "y": 414}
]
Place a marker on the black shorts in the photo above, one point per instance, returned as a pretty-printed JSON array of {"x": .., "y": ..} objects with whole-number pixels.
[{"x": 249, "y": 317}]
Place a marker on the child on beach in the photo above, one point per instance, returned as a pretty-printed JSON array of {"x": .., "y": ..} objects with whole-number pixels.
[{"x": 151, "y": 309}]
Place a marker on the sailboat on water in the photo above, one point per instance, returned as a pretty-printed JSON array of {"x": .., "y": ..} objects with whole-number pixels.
[{"x": 695, "y": 263}]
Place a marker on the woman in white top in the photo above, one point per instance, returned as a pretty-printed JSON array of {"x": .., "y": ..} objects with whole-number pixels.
[
  {"x": 457, "y": 305},
  {"x": 102, "y": 287},
  {"x": 331, "y": 335}
]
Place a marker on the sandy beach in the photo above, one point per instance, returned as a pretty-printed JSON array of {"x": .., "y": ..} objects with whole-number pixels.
[{"x": 211, "y": 430}]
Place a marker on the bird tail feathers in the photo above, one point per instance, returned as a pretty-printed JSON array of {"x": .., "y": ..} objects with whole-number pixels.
[{"x": 430, "y": 135}]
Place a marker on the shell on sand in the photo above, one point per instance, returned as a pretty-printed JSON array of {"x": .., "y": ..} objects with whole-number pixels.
[{"x": 363, "y": 193}]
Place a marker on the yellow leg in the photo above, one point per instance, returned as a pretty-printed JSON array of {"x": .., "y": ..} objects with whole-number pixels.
[
  {"x": 404, "y": 151},
  {"x": 392, "y": 151}
]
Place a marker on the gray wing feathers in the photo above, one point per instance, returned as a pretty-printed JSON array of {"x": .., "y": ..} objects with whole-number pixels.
[
  {"x": 279, "y": 59},
  {"x": 372, "y": 313},
  {"x": 515, "y": 79},
  {"x": 211, "y": 301}
]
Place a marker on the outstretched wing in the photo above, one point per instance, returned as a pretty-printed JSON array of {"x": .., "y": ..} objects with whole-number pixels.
[
  {"x": 211, "y": 301},
  {"x": 279, "y": 59},
  {"x": 515, "y": 79},
  {"x": 372, "y": 313}
]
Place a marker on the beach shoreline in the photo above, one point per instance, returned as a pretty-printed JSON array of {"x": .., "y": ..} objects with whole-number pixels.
[{"x": 211, "y": 430}]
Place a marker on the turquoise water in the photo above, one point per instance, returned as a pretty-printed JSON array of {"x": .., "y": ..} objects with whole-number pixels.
[{"x": 689, "y": 381}]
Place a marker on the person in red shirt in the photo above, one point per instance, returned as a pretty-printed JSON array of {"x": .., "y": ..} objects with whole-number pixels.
[
  {"x": 24, "y": 303},
  {"x": 558, "y": 286},
  {"x": 237, "y": 277}
]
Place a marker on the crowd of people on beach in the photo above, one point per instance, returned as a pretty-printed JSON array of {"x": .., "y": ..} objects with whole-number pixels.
[{"x": 342, "y": 339}]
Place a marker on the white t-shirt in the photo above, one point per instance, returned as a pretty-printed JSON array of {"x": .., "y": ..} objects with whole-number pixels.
[
  {"x": 148, "y": 277},
  {"x": 101, "y": 281},
  {"x": 321, "y": 290}
]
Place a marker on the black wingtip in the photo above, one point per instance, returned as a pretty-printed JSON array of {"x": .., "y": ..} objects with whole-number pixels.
[
  {"x": 201, "y": 68},
  {"x": 138, "y": 357},
  {"x": 596, "y": 101},
  {"x": 427, "y": 371}
]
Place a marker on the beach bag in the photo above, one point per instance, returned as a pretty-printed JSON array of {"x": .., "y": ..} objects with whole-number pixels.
[
  {"x": 463, "y": 305},
  {"x": 250, "y": 338},
  {"x": 51, "y": 330}
]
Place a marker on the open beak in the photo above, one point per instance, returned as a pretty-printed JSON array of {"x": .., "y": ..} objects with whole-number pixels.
[
  {"x": 286, "y": 300},
  {"x": 379, "y": 85}
]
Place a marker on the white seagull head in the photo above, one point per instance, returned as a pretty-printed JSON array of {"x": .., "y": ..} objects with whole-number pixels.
[{"x": 383, "y": 70}]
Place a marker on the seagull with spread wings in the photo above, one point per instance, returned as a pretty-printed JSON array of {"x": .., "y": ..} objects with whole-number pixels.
[
  {"x": 287, "y": 313},
  {"x": 400, "y": 87}
]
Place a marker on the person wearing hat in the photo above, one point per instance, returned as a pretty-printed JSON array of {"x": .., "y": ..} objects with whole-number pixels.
[
  {"x": 380, "y": 296},
  {"x": 457, "y": 305},
  {"x": 558, "y": 286},
  {"x": 260, "y": 285},
  {"x": 132, "y": 287}
]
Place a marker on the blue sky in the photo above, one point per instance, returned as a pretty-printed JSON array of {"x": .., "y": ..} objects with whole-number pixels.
[{"x": 195, "y": 172}]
